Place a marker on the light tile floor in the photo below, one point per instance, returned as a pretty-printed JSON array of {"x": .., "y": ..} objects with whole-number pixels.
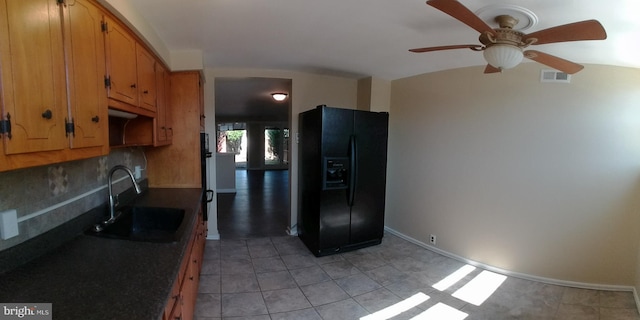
[{"x": 278, "y": 278}]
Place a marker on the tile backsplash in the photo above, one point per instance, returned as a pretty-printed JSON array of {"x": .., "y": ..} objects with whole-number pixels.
[{"x": 48, "y": 196}]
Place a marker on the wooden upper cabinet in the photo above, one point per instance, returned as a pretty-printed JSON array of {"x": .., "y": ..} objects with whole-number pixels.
[
  {"x": 146, "y": 66},
  {"x": 85, "y": 54},
  {"x": 163, "y": 128},
  {"x": 33, "y": 75},
  {"x": 52, "y": 82},
  {"x": 131, "y": 68},
  {"x": 121, "y": 63},
  {"x": 183, "y": 155}
]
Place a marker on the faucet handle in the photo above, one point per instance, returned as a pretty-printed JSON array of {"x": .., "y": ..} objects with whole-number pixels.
[{"x": 116, "y": 200}]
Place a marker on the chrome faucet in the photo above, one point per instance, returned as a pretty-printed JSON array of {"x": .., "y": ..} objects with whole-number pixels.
[{"x": 113, "y": 200}]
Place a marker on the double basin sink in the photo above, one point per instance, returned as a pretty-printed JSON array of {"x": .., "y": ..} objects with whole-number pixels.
[{"x": 148, "y": 224}]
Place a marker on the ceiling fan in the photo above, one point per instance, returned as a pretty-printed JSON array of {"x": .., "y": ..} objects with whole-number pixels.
[{"x": 503, "y": 46}]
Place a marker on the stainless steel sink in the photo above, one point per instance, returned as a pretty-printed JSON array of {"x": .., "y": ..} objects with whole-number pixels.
[{"x": 149, "y": 224}]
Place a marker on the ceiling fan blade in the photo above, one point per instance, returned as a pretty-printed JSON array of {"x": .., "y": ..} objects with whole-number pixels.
[
  {"x": 461, "y": 13},
  {"x": 563, "y": 65},
  {"x": 474, "y": 47},
  {"x": 577, "y": 31},
  {"x": 491, "y": 69}
]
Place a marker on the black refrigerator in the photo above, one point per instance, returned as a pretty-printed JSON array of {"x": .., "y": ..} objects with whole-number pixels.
[{"x": 341, "y": 178}]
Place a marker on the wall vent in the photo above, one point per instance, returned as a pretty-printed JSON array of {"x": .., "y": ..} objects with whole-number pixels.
[{"x": 554, "y": 76}]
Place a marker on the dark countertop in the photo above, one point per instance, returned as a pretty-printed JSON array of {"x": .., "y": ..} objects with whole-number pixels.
[{"x": 90, "y": 277}]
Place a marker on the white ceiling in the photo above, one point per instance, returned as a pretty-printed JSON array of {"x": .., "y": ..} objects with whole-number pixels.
[{"x": 371, "y": 37}]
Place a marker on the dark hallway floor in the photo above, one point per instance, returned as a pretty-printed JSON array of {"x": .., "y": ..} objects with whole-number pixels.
[{"x": 259, "y": 208}]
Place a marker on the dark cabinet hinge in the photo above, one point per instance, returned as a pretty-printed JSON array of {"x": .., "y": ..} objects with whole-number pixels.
[
  {"x": 107, "y": 82},
  {"x": 69, "y": 127},
  {"x": 104, "y": 26},
  {"x": 5, "y": 126}
]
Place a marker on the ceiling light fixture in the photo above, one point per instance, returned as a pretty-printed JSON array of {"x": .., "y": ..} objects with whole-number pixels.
[
  {"x": 503, "y": 47},
  {"x": 503, "y": 56},
  {"x": 279, "y": 96}
]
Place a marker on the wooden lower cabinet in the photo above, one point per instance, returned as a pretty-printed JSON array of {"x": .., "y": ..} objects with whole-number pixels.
[
  {"x": 173, "y": 309},
  {"x": 182, "y": 302}
]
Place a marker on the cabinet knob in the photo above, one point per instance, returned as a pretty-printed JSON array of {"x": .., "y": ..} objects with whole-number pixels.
[
  {"x": 133, "y": 86},
  {"x": 95, "y": 119},
  {"x": 145, "y": 92},
  {"x": 47, "y": 114}
]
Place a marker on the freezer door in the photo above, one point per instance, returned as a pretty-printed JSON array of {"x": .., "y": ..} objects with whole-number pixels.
[
  {"x": 337, "y": 127},
  {"x": 367, "y": 212}
]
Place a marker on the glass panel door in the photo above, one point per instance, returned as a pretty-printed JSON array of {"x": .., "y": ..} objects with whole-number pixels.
[
  {"x": 232, "y": 138},
  {"x": 276, "y": 147}
]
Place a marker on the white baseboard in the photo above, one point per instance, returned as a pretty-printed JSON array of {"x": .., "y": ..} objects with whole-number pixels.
[
  {"x": 292, "y": 230},
  {"x": 575, "y": 284},
  {"x": 213, "y": 235}
]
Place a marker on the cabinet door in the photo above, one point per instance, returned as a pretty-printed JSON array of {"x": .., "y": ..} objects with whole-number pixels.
[
  {"x": 184, "y": 152},
  {"x": 173, "y": 309},
  {"x": 84, "y": 52},
  {"x": 162, "y": 114},
  {"x": 121, "y": 63},
  {"x": 190, "y": 287},
  {"x": 33, "y": 81},
  {"x": 168, "y": 117},
  {"x": 146, "y": 78}
]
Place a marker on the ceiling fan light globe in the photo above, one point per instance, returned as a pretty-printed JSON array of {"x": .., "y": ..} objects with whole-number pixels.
[{"x": 503, "y": 56}]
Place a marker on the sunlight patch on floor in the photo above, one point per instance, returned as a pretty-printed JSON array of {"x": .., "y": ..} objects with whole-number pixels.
[
  {"x": 453, "y": 278},
  {"x": 441, "y": 311},
  {"x": 480, "y": 288},
  {"x": 398, "y": 308}
]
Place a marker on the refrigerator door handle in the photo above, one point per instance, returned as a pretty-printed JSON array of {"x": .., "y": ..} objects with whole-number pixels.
[{"x": 353, "y": 160}]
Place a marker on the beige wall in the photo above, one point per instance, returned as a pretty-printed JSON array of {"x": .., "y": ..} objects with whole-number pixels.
[
  {"x": 374, "y": 94},
  {"x": 308, "y": 91},
  {"x": 535, "y": 178},
  {"x": 380, "y": 95}
]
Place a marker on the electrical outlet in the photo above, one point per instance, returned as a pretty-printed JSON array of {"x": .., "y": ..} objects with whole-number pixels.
[
  {"x": 8, "y": 224},
  {"x": 432, "y": 239},
  {"x": 137, "y": 172}
]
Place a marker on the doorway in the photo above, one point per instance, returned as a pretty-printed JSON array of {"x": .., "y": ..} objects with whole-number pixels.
[{"x": 253, "y": 129}]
